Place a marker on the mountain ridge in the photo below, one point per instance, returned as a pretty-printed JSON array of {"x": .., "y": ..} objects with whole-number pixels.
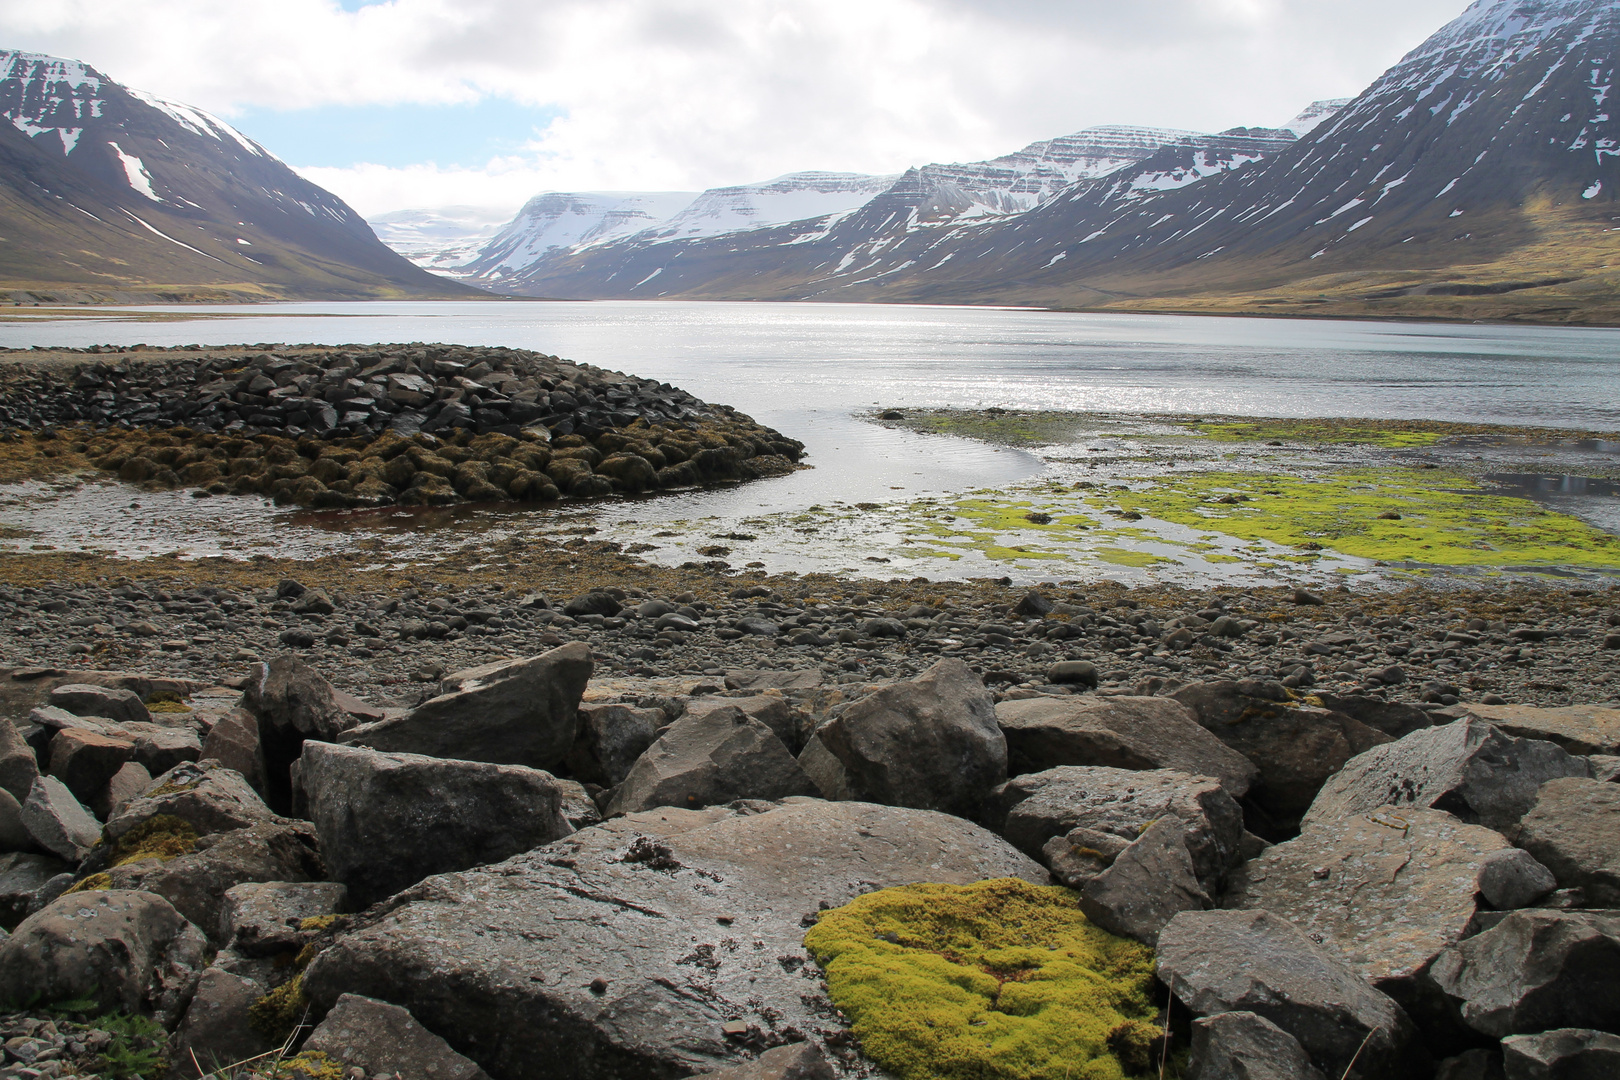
[{"x": 107, "y": 192}]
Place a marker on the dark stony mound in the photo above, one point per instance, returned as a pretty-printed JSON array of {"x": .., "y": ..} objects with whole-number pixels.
[{"x": 416, "y": 425}]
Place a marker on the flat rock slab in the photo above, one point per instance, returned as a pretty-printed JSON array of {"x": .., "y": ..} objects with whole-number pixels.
[
  {"x": 1574, "y": 831},
  {"x": 1389, "y": 889},
  {"x": 1580, "y": 729},
  {"x": 627, "y": 948},
  {"x": 1467, "y": 768},
  {"x": 1120, "y": 732}
]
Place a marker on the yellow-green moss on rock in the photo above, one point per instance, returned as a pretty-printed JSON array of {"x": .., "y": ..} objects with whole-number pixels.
[
  {"x": 163, "y": 837},
  {"x": 999, "y": 980}
]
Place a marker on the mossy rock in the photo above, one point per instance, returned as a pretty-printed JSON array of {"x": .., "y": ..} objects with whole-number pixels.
[
  {"x": 162, "y": 837},
  {"x": 999, "y": 980}
]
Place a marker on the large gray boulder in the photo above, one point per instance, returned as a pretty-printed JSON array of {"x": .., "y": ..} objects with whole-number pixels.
[
  {"x": 713, "y": 757},
  {"x": 610, "y": 739},
  {"x": 387, "y": 821},
  {"x": 1254, "y": 961},
  {"x": 1296, "y": 747},
  {"x": 1467, "y": 768},
  {"x": 291, "y": 703},
  {"x": 1562, "y": 1054},
  {"x": 791, "y": 726},
  {"x": 1119, "y": 732},
  {"x": 85, "y": 760},
  {"x": 931, "y": 743},
  {"x": 18, "y": 765},
  {"x": 114, "y": 704},
  {"x": 14, "y": 835},
  {"x": 1536, "y": 970},
  {"x": 1246, "y": 1046},
  {"x": 128, "y": 951},
  {"x": 234, "y": 743},
  {"x": 211, "y": 799},
  {"x": 1580, "y": 729},
  {"x": 159, "y": 748},
  {"x": 627, "y": 948},
  {"x": 1389, "y": 890},
  {"x": 520, "y": 712},
  {"x": 196, "y": 884},
  {"x": 1147, "y": 885},
  {"x": 1036, "y": 808},
  {"x": 1574, "y": 830},
  {"x": 385, "y": 1039},
  {"x": 57, "y": 821},
  {"x": 1396, "y": 719}
]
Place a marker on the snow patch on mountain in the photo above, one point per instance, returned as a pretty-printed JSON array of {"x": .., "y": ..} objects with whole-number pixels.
[
  {"x": 794, "y": 197},
  {"x": 198, "y": 122},
  {"x": 1314, "y": 114},
  {"x": 139, "y": 178},
  {"x": 569, "y": 220},
  {"x": 43, "y": 95}
]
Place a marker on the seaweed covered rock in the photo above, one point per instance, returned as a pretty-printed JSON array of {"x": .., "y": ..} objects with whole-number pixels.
[
  {"x": 661, "y": 944},
  {"x": 332, "y": 428},
  {"x": 209, "y": 798},
  {"x": 997, "y": 979}
]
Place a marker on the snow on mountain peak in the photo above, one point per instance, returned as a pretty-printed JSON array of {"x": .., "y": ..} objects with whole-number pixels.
[
  {"x": 1314, "y": 114},
  {"x": 49, "y": 95},
  {"x": 199, "y": 122}
]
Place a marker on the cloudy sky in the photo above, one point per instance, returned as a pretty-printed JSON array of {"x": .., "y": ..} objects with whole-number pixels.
[{"x": 420, "y": 103}]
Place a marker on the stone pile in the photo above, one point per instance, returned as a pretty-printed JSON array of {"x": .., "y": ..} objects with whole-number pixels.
[
  {"x": 529, "y": 867},
  {"x": 416, "y": 425}
]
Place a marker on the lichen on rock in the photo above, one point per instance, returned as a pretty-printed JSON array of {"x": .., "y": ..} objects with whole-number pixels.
[{"x": 998, "y": 979}]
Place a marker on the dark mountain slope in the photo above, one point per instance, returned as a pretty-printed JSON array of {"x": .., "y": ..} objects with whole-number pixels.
[{"x": 110, "y": 193}]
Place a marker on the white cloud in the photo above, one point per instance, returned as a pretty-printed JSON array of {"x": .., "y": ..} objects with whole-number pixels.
[{"x": 686, "y": 94}]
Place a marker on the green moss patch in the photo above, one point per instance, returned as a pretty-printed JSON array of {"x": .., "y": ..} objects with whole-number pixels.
[
  {"x": 999, "y": 980},
  {"x": 161, "y": 837},
  {"x": 1387, "y": 515}
]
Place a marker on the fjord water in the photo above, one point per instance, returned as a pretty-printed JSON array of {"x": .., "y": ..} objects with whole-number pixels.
[
  {"x": 812, "y": 369},
  {"x": 806, "y": 368}
]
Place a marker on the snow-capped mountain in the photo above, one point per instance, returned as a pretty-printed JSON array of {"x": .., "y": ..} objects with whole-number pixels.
[
  {"x": 439, "y": 239},
  {"x": 115, "y": 191},
  {"x": 559, "y": 223},
  {"x": 1485, "y": 164},
  {"x": 887, "y": 234},
  {"x": 539, "y": 251}
]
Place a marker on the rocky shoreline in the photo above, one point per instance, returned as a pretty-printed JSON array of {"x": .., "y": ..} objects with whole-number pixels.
[{"x": 213, "y": 817}]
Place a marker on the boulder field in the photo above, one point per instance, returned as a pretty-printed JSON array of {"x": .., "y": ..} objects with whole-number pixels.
[
  {"x": 413, "y": 425},
  {"x": 531, "y": 873}
]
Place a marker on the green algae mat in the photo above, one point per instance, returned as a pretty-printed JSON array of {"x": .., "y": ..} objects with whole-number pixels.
[{"x": 999, "y": 980}]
